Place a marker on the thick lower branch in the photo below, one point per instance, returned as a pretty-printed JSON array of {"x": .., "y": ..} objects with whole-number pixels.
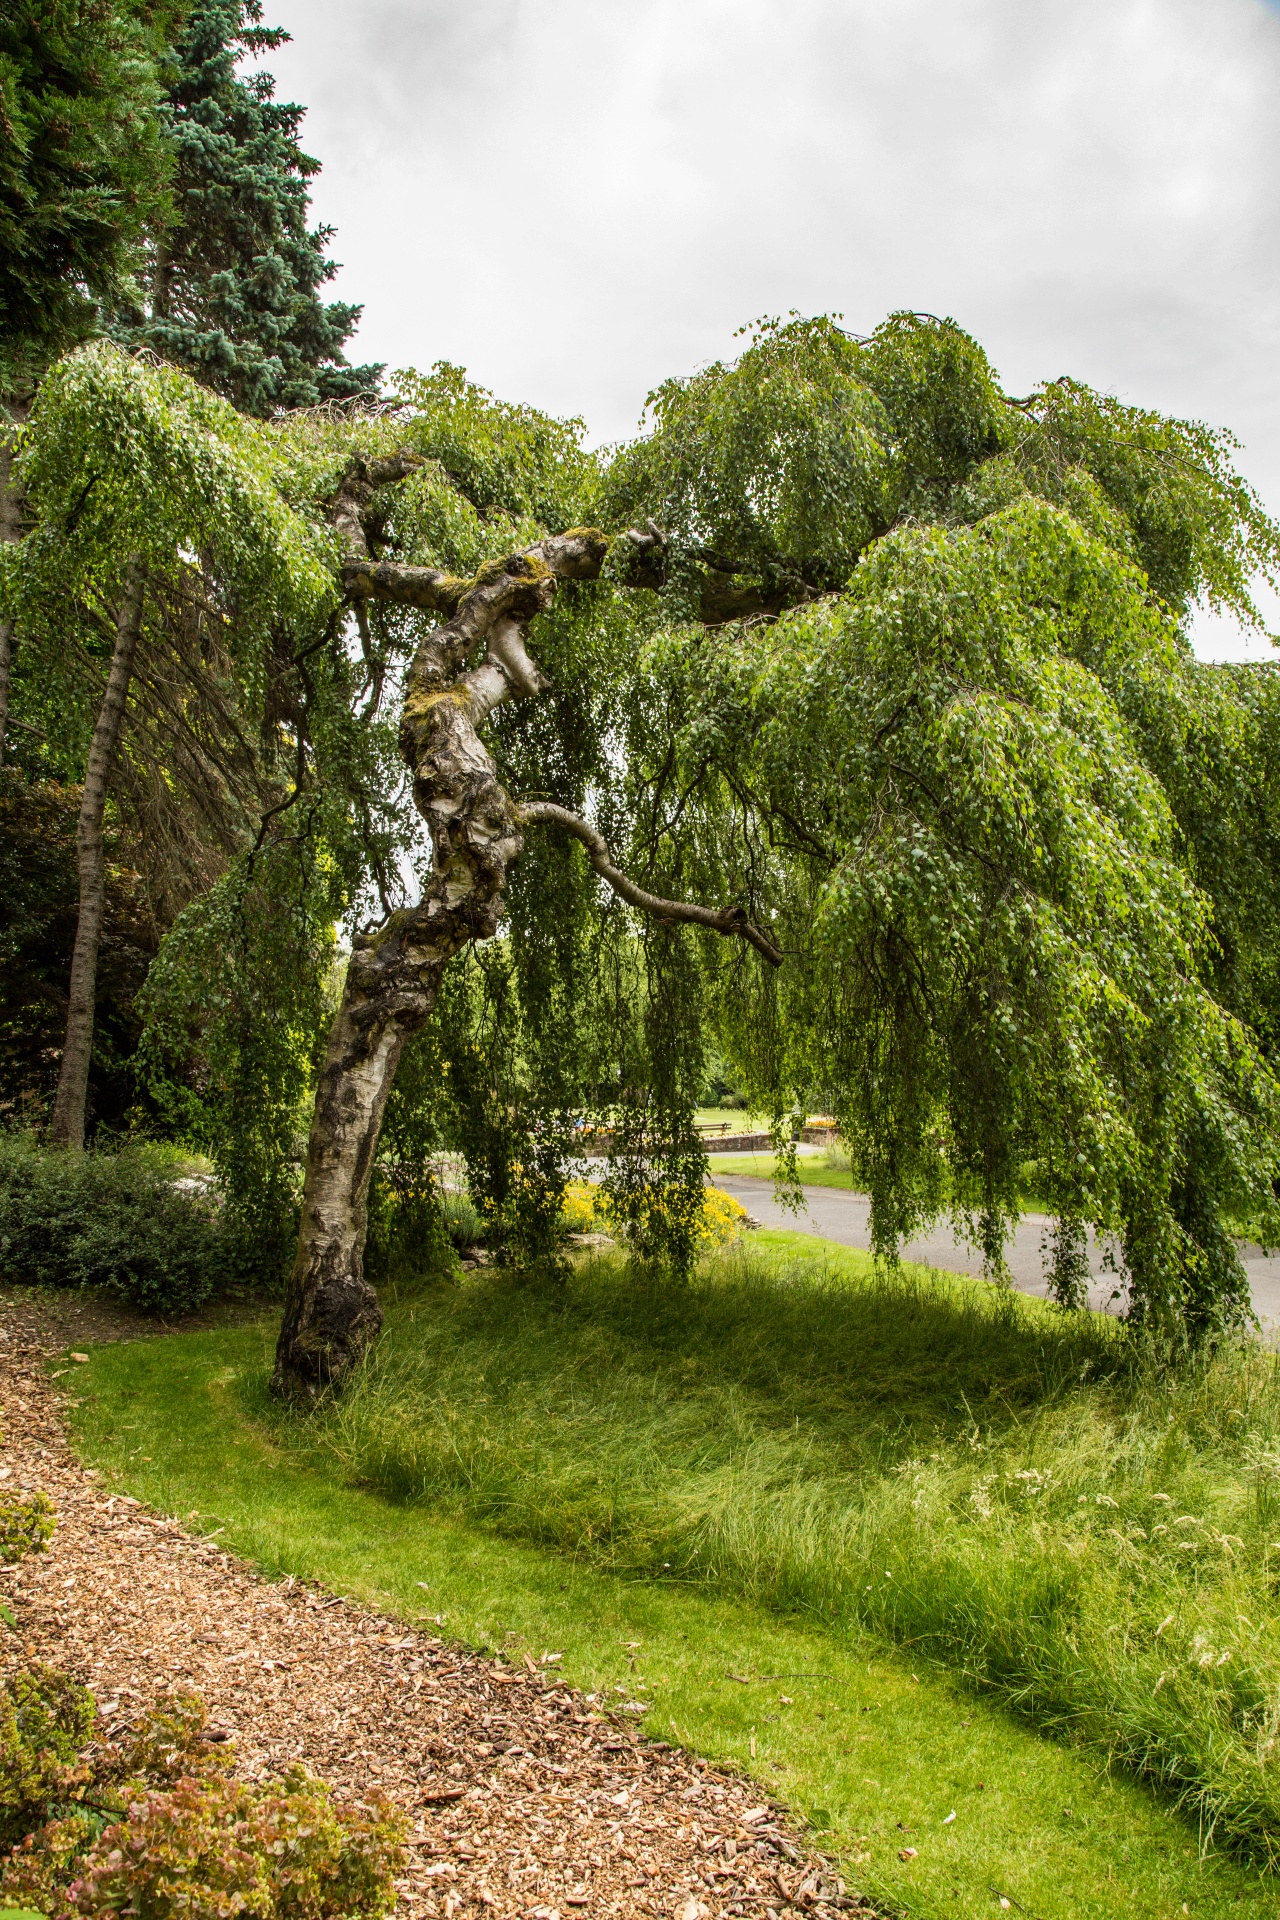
[
  {"x": 424, "y": 587},
  {"x": 731, "y": 921},
  {"x": 578, "y": 554}
]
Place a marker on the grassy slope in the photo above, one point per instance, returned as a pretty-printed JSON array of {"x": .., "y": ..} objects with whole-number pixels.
[{"x": 864, "y": 1744}]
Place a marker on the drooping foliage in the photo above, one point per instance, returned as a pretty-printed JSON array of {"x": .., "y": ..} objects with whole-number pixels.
[
  {"x": 236, "y": 1005},
  {"x": 976, "y": 787},
  {"x": 83, "y": 162},
  {"x": 790, "y": 463},
  {"x": 578, "y": 1011},
  {"x": 230, "y": 288},
  {"x": 897, "y": 664},
  {"x": 996, "y": 956},
  {"x": 122, "y": 458}
]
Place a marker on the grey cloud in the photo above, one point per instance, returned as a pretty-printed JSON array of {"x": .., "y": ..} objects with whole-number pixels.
[{"x": 575, "y": 198}]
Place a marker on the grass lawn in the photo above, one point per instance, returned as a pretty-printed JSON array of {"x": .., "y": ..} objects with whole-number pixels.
[
  {"x": 735, "y": 1118},
  {"x": 814, "y": 1171},
  {"x": 556, "y": 1470}
]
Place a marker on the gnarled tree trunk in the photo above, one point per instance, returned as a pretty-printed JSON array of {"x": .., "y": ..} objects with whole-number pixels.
[
  {"x": 331, "y": 1313},
  {"x": 66, "y": 1129}
]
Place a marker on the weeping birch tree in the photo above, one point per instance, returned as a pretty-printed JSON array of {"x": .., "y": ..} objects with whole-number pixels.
[{"x": 849, "y": 713}]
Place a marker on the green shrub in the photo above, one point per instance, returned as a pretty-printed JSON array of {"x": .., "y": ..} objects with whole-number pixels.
[
  {"x": 171, "y": 1741},
  {"x": 408, "y": 1235},
  {"x": 26, "y": 1526},
  {"x": 283, "y": 1850},
  {"x": 462, "y": 1220},
  {"x": 45, "y": 1720},
  {"x": 107, "y": 1219},
  {"x": 47, "y": 1862},
  {"x": 154, "y": 1826},
  {"x": 27, "y": 1522},
  {"x": 48, "y": 1782}
]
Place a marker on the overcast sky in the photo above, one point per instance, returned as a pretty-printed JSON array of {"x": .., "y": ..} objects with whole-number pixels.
[{"x": 576, "y": 198}]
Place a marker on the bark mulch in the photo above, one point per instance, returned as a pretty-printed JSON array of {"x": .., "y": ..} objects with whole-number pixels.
[{"x": 523, "y": 1801}]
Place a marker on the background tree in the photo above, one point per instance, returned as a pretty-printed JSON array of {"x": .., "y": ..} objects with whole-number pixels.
[
  {"x": 160, "y": 531},
  {"x": 39, "y": 886},
  {"x": 230, "y": 286},
  {"x": 82, "y": 169}
]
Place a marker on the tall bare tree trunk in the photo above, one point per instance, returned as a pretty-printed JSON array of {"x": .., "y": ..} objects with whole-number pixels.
[
  {"x": 67, "y": 1126},
  {"x": 10, "y": 530}
]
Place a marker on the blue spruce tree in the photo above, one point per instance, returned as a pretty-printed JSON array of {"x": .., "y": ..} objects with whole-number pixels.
[{"x": 231, "y": 289}]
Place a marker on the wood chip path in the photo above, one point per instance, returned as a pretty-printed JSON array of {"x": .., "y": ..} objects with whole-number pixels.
[{"x": 523, "y": 1801}]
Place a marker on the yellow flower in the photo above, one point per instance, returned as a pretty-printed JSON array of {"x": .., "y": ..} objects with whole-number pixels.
[{"x": 586, "y": 1209}]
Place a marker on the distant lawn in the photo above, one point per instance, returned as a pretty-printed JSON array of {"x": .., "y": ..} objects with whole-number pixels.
[
  {"x": 814, "y": 1171},
  {"x": 771, "y": 1474},
  {"x": 735, "y": 1118}
]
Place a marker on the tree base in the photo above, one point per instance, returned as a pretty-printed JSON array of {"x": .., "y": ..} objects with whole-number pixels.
[{"x": 324, "y": 1338}]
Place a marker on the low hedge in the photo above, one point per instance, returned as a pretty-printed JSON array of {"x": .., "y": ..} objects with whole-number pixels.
[{"x": 113, "y": 1219}]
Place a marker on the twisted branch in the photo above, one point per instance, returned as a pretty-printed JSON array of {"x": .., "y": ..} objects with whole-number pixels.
[
  {"x": 731, "y": 921},
  {"x": 496, "y": 607}
]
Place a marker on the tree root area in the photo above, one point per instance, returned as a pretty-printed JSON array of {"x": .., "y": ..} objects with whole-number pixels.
[{"x": 522, "y": 1800}]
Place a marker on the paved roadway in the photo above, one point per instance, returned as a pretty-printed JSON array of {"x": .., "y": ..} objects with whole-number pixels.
[{"x": 837, "y": 1213}]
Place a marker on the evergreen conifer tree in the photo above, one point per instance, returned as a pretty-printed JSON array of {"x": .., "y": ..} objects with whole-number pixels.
[
  {"x": 231, "y": 288},
  {"x": 82, "y": 164}
]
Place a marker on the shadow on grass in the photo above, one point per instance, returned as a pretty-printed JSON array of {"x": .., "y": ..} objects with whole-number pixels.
[
  {"x": 821, "y": 1339},
  {"x": 623, "y": 1417}
]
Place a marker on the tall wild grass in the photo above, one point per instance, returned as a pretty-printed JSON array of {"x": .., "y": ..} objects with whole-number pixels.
[{"x": 1011, "y": 1490}]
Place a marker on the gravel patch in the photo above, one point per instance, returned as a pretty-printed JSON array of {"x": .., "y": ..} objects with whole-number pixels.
[{"x": 524, "y": 1801}]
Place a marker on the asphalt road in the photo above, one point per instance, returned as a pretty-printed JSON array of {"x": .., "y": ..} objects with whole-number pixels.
[{"x": 834, "y": 1213}]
